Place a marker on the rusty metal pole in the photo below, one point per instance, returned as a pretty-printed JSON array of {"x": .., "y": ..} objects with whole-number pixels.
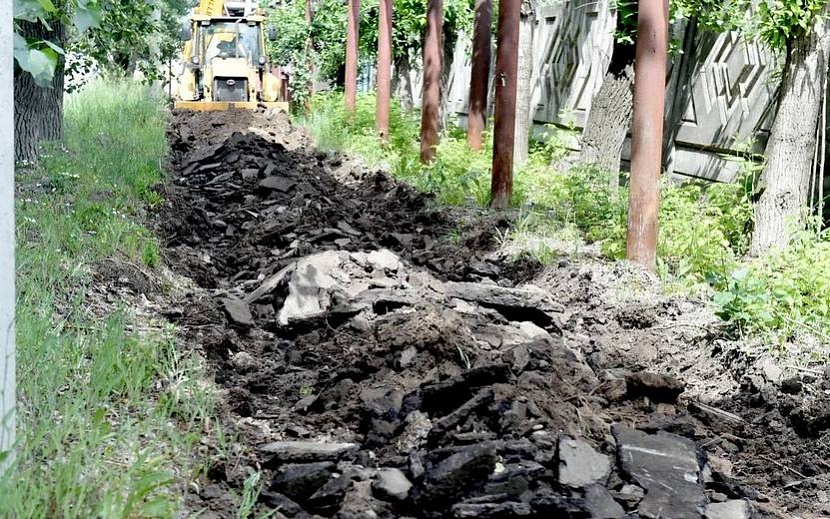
[
  {"x": 504, "y": 124},
  {"x": 650, "y": 60},
  {"x": 480, "y": 74},
  {"x": 352, "y": 38},
  {"x": 431, "y": 96},
  {"x": 384, "y": 78}
]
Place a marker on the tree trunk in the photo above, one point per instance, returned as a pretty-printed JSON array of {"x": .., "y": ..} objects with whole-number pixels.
[
  {"x": 431, "y": 97},
  {"x": 403, "y": 76},
  {"x": 480, "y": 74},
  {"x": 38, "y": 112},
  {"x": 610, "y": 114},
  {"x": 447, "y": 59},
  {"x": 786, "y": 177},
  {"x": 504, "y": 123},
  {"x": 525, "y": 70}
]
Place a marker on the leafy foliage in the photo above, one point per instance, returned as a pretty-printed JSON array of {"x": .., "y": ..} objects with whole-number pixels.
[
  {"x": 118, "y": 34},
  {"x": 329, "y": 37},
  {"x": 40, "y": 57},
  {"x": 783, "y": 293},
  {"x": 133, "y": 36},
  {"x": 777, "y": 23}
]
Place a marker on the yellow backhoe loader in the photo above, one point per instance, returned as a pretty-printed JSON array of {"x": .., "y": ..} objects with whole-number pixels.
[{"x": 225, "y": 61}]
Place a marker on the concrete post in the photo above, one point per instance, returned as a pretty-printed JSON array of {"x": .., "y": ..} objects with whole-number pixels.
[
  {"x": 431, "y": 96},
  {"x": 7, "y": 244},
  {"x": 480, "y": 74},
  {"x": 647, "y": 131},
  {"x": 352, "y": 39},
  {"x": 504, "y": 123}
]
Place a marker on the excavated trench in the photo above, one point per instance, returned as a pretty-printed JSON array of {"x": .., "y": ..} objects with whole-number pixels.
[{"x": 379, "y": 358}]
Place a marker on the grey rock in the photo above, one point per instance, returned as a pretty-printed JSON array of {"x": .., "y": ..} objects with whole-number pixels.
[
  {"x": 275, "y": 500},
  {"x": 504, "y": 510},
  {"x": 327, "y": 499},
  {"x": 391, "y": 484},
  {"x": 630, "y": 495},
  {"x": 446, "y": 424},
  {"x": 459, "y": 472},
  {"x": 525, "y": 304},
  {"x": 407, "y": 356},
  {"x": 212, "y": 491},
  {"x": 249, "y": 174},
  {"x": 515, "y": 479},
  {"x": 728, "y": 510},
  {"x": 580, "y": 464},
  {"x": 600, "y": 504},
  {"x": 668, "y": 467},
  {"x": 359, "y": 504},
  {"x": 656, "y": 386},
  {"x": 243, "y": 361},
  {"x": 384, "y": 259},
  {"x": 521, "y": 358},
  {"x": 237, "y": 311},
  {"x": 281, "y": 184},
  {"x": 532, "y": 331},
  {"x": 304, "y": 404},
  {"x": 299, "y": 482},
  {"x": 306, "y": 451}
]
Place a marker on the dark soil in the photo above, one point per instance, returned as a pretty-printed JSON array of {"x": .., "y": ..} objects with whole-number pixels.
[{"x": 338, "y": 306}]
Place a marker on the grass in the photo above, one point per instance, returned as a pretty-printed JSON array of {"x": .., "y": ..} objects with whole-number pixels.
[{"x": 109, "y": 417}]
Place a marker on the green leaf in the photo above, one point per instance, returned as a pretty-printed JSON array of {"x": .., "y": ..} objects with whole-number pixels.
[
  {"x": 41, "y": 65},
  {"x": 32, "y": 10},
  {"x": 87, "y": 16}
]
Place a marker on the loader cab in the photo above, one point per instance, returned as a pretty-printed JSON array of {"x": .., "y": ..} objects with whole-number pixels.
[
  {"x": 226, "y": 60},
  {"x": 230, "y": 54}
]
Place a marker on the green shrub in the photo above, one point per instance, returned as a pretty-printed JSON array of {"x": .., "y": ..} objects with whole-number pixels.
[{"x": 781, "y": 293}]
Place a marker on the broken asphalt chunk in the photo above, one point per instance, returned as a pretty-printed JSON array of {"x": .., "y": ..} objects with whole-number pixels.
[
  {"x": 668, "y": 467},
  {"x": 306, "y": 451}
]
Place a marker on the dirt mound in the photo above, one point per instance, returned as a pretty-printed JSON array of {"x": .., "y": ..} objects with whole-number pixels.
[
  {"x": 378, "y": 360},
  {"x": 264, "y": 197}
]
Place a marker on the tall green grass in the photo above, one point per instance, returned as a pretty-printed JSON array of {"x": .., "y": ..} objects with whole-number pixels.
[{"x": 108, "y": 417}]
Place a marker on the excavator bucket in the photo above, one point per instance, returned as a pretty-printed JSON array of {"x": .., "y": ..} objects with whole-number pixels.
[{"x": 210, "y": 106}]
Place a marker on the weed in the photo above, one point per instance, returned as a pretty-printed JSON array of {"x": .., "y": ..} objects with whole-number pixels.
[{"x": 96, "y": 401}]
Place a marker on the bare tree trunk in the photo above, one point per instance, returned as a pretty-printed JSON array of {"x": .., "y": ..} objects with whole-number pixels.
[
  {"x": 523, "y": 117},
  {"x": 403, "y": 70},
  {"x": 480, "y": 74},
  {"x": 447, "y": 59},
  {"x": 504, "y": 123},
  {"x": 610, "y": 115},
  {"x": 431, "y": 97},
  {"x": 38, "y": 112},
  {"x": 786, "y": 177}
]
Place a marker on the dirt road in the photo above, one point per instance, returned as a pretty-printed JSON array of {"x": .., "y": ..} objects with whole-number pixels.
[{"x": 379, "y": 357}]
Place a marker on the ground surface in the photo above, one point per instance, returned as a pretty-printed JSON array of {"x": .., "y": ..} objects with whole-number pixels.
[{"x": 380, "y": 357}]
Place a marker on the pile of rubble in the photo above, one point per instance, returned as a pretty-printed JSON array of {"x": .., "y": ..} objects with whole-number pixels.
[
  {"x": 378, "y": 361},
  {"x": 454, "y": 399}
]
